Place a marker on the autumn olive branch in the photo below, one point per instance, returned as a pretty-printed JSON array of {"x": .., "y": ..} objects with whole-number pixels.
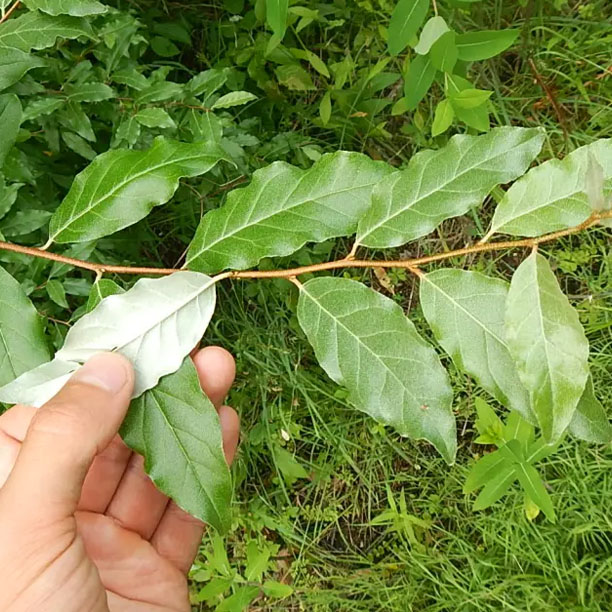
[
  {"x": 9, "y": 12},
  {"x": 291, "y": 273}
]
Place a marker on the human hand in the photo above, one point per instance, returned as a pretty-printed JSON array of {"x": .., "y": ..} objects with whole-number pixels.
[{"x": 82, "y": 527}]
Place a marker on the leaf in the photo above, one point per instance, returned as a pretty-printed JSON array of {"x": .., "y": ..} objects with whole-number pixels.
[
  {"x": 438, "y": 185},
  {"x": 89, "y": 92},
  {"x": 497, "y": 487},
  {"x": 121, "y": 187},
  {"x": 234, "y": 98},
  {"x": 476, "y": 117},
  {"x": 10, "y": 120},
  {"x": 22, "y": 340},
  {"x": 37, "y": 386},
  {"x": 102, "y": 288},
  {"x": 155, "y": 118},
  {"x": 240, "y": 600},
  {"x": 475, "y": 46},
  {"x": 14, "y": 63},
  {"x": 590, "y": 421},
  {"x": 276, "y": 16},
  {"x": 283, "y": 208},
  {"x": 55, "y": 290},
  {"x": 39, "y": 31},
  {"x": 176, "y": 428},
  {"x": 159, "y": 92},
  {"x": 432, "y": 30},
  {"x": 288, "y": 466},
  {"x": 41, "y": 107},
  {"x": 406, "y": 19},
  {"x": 325, "y": 108},
  {"x": 365, "y": 343},
  {"x": 273, "y": 588},
  {"x": 470, "y": 98},
  {"x": 444, "y": 53},
  {"x": 594, "y": 184},
  {"x": 154, "y": 324},
  {"x": 8, "y": 195},
  {"x": 534, "y": 487},
  {"x": 465, "y": 311},
  {"x": 553, "y": 195},
  {"x": 419, "y": 79},
  {"x": 78, "y": 145},
  {"x": 294, "y": 77},
  {"x": 76, "y": 8},
  {"x": 21, "y": 222},
  {"x": 207, "y": 82},
  {"x": 484, "y": 471},
  {"x": 164, "y": 47},
  {"x": 257, "y": 561},
  {"x": 443, "y": 118},
  {"x": 548, "y": 344},
  {"x": 488, "y": 424}
]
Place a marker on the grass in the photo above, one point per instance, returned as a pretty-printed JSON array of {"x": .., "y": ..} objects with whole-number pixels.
[{"x": 439, "y": 555}]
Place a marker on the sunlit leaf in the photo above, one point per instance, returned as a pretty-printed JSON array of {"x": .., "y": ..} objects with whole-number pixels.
[
  {"x": 590, "y": 421},
  {"x": 438, "y": 185},
  {"x": 548, "y": 344},
  {"x": 283, "y": 208},
  {"x": 365, "y": 343},
  {"x": 406, "y": 19}
]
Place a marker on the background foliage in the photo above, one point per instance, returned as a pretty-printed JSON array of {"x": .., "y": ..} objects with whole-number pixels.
[{"x": 318, "y": 519}]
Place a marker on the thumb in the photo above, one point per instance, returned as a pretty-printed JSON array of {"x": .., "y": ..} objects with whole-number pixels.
[{"x": 66, "y": 434}]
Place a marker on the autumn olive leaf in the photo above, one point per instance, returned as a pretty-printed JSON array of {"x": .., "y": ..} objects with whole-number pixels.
[
  {"x": 76, "y": 8},
  {"x": 10, "y": 120},
  {"x": 553, "y": 195},
  {"x": 14, "y": 63},
  {"x": 38, "y": 385},
  {"x": 548, "y": 345},
  {"x": 121, "y": 187},
  {"x": 366, "y": 344},
  {"x": 155, "y": 325},
  {"x": 590, "y": 421},
  {"x": 39, "y": 31},
  {"x": 176, "y": 428},
  {"x": 283, "y": 208},
  {"x": 465, "y": 311},
  {"x": 406, "y": 19},
  {"x": 22, "y": 340},
  {"x": 438, "y": 185}
]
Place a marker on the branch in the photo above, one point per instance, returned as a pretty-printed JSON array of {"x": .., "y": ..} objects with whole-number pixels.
[{"x": 408, "y": 264}]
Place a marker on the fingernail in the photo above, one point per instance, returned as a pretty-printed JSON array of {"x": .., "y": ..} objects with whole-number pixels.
[{"x": 108, "y": 371}]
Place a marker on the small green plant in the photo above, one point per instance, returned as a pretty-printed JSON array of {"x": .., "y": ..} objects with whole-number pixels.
[{"x": 522, "y": 342}]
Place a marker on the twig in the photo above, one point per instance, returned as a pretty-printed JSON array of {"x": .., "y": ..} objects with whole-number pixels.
[
  {"x": 409, "y": 264},
  {"x": 10, "y": 11}
]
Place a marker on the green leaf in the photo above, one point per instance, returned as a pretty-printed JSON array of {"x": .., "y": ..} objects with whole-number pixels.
[
  {"x": 78, "y": 145},
  {"x": 39, "y": 31},
  {"x": 88, "y": 92},
  {"x": 176, "y": 428},
  {"x": 55, "y": 290},
  {"x": 159, "y": 92},
  {"x": 418, "y": 80},
  {"x": 406, "y": 19},
  {"x": 294, "y": 77},
  {"x": 497, "y": 486},
  {"x": 240, "y": 600},
  {"x": 534, "y": 487},
  {"x": 14, "y": 63},
  {"x": 234, "y": 98},
  {"x": 22, "y": 339},
  {"x": 438, "y": 185},
  {"x": 590, "y": 421},
  {"x": 488, "y": 424},
  {"x": 22, "y": 222},
  {"x": 288, "y": 466},
  {"x": 432, "y": 30},
  {"x": 207, "y": 82},
  {"x": 10, "y": 120},
  {"x": 155, "y": 118},
  {"x": 76, "y": 8},
  {"x": 216, "y": 587},
  {"x": 553, "y": 195},
  {"x": 325, "y": 108},
  {"x": 283, "y": 208},
  {"x": 102, "y": 288},
  {"x": 477, "y": 117},
  {"x": 548, "y": 344},
  {"x": 365, "y": 343},
  {"x": 470, "y": 98},
  {"x": 444, "y": 53},
  {"x": 276, "y": 16},
  {"x": 475, "y": 46},
  {"x": 42, "y": 107},
  {"x": 485, "y": 471},
  {"x": 277, "y": 590},
  {"x": 465, "y": 311},
  {"x": 164, "y": 47},
  {"x": 8, "y": 195},
  {"x": 443, "y": 118},
  {"x": 257, "y": 561},
  {"x": 121, "y": 187}
]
